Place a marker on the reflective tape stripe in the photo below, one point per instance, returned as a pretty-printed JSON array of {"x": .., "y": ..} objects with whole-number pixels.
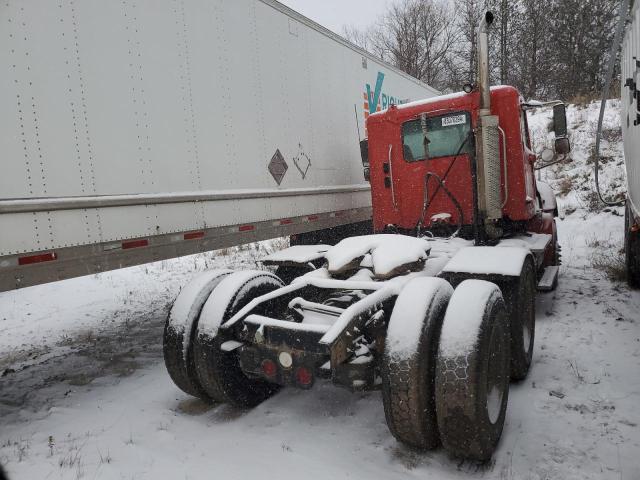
[
  {"x": 135, "y": 244},
  {"x": 42, "y": 257},
  {"x": 193, "y": 235}
]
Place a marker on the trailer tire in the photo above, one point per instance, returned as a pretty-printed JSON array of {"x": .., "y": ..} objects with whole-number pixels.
[
  {"x": 180, "y": 323},
  {"x": 520, "y": 299},
  {"x": 472, "y": 371},
  {"x": 631, "y": 249},
  {"x": 408, "y": 368},
  {"x": 218, "y": 371}
]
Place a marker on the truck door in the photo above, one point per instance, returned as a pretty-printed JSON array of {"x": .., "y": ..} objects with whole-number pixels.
[{"x": 427, "y": 170}]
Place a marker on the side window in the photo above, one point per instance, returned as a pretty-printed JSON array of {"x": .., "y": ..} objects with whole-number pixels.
[{"x": 446, "y": 134}]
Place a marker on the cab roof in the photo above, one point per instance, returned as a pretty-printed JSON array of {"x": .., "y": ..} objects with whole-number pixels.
[{"x": 444, "y": 103}]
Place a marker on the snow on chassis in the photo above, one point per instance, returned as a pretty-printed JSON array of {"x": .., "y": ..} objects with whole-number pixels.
[{"x": 381, "y": 312}]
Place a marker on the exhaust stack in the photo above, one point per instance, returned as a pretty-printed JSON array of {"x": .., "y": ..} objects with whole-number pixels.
[
  {"x": 488, "y": 144},
  {"x": 483, "y": 64}
]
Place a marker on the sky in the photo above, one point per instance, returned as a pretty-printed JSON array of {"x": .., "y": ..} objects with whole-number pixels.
[{"x": 334, "y": 14}]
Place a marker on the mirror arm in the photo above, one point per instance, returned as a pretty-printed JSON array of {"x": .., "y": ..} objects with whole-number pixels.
[
  {"x": 560, "y": 160},
  {"x": 533, "y": 105}
]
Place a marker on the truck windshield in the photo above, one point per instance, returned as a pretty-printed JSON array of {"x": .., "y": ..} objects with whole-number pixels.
[{"x": 446, "y": 133}]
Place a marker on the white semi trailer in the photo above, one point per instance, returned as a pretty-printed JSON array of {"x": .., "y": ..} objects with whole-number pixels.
[
  {"x": 138, "y": 130},
  {"x": 631, "y": 133}
]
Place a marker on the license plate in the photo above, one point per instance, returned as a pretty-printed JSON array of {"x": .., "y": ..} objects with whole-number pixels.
[{"x": 454, "y": 120}]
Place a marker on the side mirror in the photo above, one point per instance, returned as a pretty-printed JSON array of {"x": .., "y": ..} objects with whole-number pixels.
[
  {"x": 560, "y": 120},
  {"x": 562, "y": 146}
]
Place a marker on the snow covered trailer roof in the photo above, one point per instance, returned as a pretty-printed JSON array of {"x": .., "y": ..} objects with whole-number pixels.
[
  {"x": 631, "y": 107},
  {"x": 136, "y": 131}
]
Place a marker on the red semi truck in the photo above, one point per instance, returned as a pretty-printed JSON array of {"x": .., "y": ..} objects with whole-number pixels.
[{"x": 436, "y": 308}]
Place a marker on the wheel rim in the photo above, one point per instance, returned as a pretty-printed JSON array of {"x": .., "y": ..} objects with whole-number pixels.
[
  {"x": 496, "y": 373},
  {"x": 529, "y": 317}
]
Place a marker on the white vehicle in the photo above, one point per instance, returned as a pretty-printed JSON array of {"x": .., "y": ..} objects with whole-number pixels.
[
  {"x": 138, "y": 131},
  {"x": 631, "y": 133}
]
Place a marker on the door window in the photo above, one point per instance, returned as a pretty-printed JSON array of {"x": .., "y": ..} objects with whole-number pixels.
[{"x": 446, "y": 135}]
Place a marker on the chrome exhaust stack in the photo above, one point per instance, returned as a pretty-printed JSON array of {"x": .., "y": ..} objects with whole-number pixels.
[
  {"x": 488, "y": 143},
  {"x": 483, "y": 63}
]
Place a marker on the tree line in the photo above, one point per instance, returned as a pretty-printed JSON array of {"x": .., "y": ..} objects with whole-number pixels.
[{"x": 545, "y": 48}]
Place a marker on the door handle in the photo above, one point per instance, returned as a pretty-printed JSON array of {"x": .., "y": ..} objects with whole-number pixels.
[{"x": 393, "y": 190}]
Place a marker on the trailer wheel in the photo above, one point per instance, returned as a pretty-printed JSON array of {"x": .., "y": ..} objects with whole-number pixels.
[
  {"x": 472, "y": 371},
  {"x": 179, "y": 331},
  {"x": 520, "y": 298},
  {"x": 408, "y": 363},
  {"x": 218, "y": 371},
  {"x": 631, "y": 249}
]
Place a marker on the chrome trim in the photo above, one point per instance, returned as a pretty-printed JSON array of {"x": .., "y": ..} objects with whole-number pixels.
[{"x": 29, "y": 205}]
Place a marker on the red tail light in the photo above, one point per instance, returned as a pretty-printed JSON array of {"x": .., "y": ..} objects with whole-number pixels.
[
  {"x": 304, "y": 377},
  {"x": 269, "y": 368}
]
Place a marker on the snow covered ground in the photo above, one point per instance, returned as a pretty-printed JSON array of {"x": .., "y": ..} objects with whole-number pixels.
[{"x": 84, "y": 392}]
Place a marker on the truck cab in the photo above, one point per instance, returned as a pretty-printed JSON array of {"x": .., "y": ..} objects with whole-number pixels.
[{"x": 401, "y": 158}]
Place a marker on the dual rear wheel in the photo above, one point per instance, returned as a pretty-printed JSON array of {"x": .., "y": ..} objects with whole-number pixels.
[
  {"x": 450, "y": 384},
  {"x": 192, "y": 344},
  {"x": 446, "y": 366}
]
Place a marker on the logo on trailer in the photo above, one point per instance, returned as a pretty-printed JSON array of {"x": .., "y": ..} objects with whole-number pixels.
[{"x": 377, "y": 100}]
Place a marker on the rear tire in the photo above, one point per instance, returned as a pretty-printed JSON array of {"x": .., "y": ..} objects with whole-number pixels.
[
  {"x": 472, "y": 371},
  {"x": 408, "y": 368},
  {"x": 182, "y": 319},
  {"x": 520, "y": 299},
  {"x": 631, "y": 250},
  {"x": 219, "y": 372}
]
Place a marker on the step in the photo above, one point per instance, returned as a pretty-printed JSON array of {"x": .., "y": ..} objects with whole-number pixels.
[{"x": 549, "y": 279}]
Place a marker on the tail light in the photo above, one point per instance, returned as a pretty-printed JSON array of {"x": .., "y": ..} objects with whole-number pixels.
[
  {"x": 269, "y": 368},
  {"x": 304, "y": 377}
]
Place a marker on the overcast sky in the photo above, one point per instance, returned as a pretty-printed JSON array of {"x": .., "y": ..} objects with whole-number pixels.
[{"x": 334, "y": 14}]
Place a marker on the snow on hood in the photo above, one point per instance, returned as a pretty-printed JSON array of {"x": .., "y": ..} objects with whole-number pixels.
[{"x": 388, "y": 253}]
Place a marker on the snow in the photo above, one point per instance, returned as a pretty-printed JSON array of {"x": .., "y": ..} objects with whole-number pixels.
[
  {"x": 190, "y": 301},
  {"x": 273, "y": 322},
  {"x": 110, "y": 422},
  {"x": 488, "y": 260},
  {"x": 302, "y": 254},
  {"x": 388, "y": 252},
  {"x": 369, "y": 303},
  {"x": 230, "y": 346},
  {"x": 407, "y": 319},
  {"x": 463, "y": 319},
  {"x": 221, "y": 298}
]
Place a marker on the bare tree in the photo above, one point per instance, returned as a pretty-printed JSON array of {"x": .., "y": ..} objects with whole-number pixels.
[
  {"x": 546, "y": 48},
  {"x": 468, "y": 14},
  {"x": 416, "y": 36}
]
